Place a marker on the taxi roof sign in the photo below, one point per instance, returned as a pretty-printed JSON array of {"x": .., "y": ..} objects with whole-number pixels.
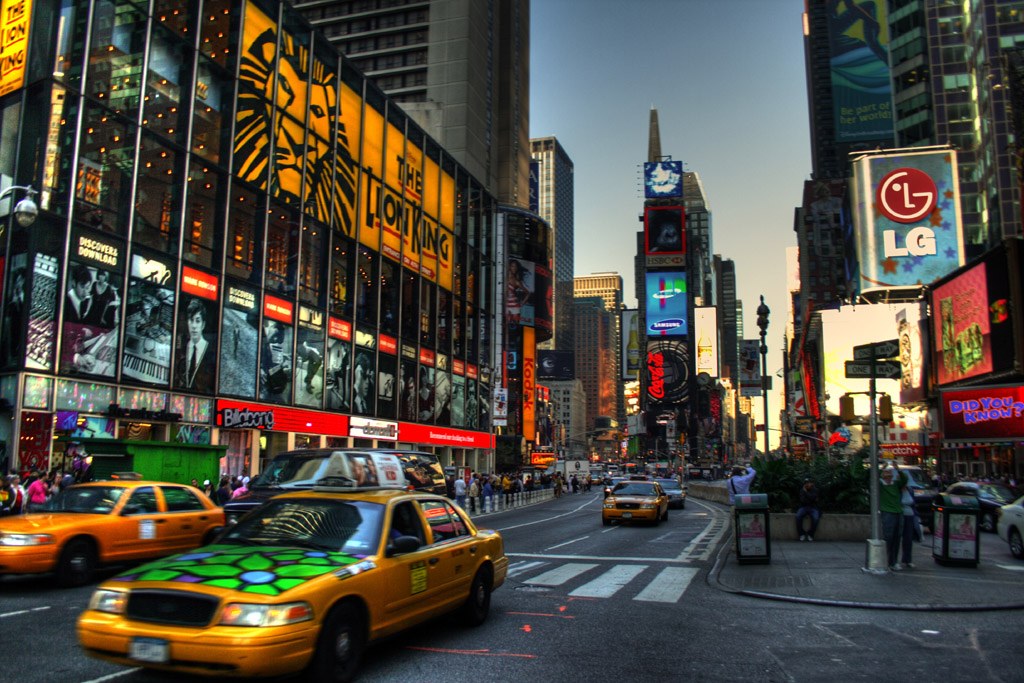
[{"x": 362, "y": 470}]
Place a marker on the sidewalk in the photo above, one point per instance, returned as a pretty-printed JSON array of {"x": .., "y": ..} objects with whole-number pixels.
[{"x": 832, "y": 574}]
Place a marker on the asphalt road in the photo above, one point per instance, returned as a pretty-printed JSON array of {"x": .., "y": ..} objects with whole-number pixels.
[{"x": 594, "y": 603}]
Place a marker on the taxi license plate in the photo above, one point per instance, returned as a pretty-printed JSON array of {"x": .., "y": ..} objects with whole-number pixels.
[
  {"x": 627, "y": 515},
  {"x": 148, "y": 650}
]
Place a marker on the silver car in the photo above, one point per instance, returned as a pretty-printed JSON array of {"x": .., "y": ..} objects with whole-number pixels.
[{"x": 675, "y": 491}]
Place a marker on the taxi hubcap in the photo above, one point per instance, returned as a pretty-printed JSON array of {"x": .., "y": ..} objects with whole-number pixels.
[{"x": 342, "y": 646}]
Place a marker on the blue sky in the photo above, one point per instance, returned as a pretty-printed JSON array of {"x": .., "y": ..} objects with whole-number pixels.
[{"x": 727, "y": 78}]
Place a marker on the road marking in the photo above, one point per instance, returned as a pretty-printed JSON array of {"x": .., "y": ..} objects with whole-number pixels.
[
  {"x": 1012, "y": 568},
  {"x": 548, "y": 519},
  {"x": 520, "y": 567},
  {"x": 668, "y": 586},
  {"x": 581, "y": 538},
  {"x": 559, "y": 575},
  {"x": 609, "y": 583},
  {"x": 23, "y": 611},
  {"x": 600, "y": 558}
]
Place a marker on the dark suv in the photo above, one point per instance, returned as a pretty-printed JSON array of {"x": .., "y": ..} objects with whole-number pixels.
[{"x": 301, "y": 469}]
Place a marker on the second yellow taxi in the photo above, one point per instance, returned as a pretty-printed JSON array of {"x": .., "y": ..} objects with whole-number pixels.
[
  {"x": 632, "y": 501},
  {"x": 301, "y": 584},
  {"x": 106, "y": 522}
]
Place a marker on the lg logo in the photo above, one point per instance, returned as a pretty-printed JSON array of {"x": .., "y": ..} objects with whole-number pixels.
[{"x": 907, "y": 195}]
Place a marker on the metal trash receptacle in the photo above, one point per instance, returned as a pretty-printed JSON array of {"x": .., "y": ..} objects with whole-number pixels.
[
  {"x": 955, "y": 534},
  {"x": 751, "y": 528}
]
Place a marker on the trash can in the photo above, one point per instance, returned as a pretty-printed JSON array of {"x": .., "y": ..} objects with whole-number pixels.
[
  {"x": 750, "y": 524},
  {"x": 955, "y": 532}
]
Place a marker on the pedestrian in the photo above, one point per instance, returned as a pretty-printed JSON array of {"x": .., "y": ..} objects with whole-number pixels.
[
  {"x": 223, "y": 494},
  {"x": 890, "y": 505},
  {"x": 506, "y": 488},
  {"x": 241, "y": 490},
  {"x": 17, "y": 503},
  {"x": 460, "y": 492},
  {"x": 908, "y": 527},
  {"x": 808, "y": 508},
  {"x": 36, "y": 495},
  {"x": 208, "y": 488},
  {"x": 474, "y": 494},
  {"x": 488, "y": 492},
  {"x": 739, "y": 482}
]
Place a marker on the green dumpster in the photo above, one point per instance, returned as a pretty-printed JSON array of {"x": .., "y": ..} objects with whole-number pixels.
[
  {"x": 750, "y": 524},
  {"x": 955, "y": 535}
]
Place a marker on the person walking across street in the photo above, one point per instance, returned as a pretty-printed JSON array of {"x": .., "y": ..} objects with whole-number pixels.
[
  {"x": 739, "y": 482},
  {"x": 890, "y": 492},
  {"x": 808, "y": 508}
]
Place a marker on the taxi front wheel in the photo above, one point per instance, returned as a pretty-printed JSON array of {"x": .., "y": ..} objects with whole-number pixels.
[
  {"x": 478, "y": 604},
  {"x": 340, "y": 646},
  {"x": 77, "y": 563}
]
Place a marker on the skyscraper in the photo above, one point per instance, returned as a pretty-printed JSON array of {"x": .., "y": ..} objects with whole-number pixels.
[
  {"x": 551, "y": 170},
  {"x": 459, "y": 68},
  {"x": 595, "y": 346}
]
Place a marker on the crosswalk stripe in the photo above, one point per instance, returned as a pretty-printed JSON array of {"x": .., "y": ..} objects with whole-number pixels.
[
  {"x": 559, "y": 575},
  {"x": 668, "y": 586},
  {"x": 610, "y": 582},
  {"x": 520, "y": 567}
]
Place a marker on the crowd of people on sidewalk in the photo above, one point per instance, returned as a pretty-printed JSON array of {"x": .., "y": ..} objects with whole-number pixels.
[
  {"x": 481, "y": 491},
  {"x": 31, "y": 495}
]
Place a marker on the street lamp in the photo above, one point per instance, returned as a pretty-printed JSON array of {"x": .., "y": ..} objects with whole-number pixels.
[
  {"x": 25, "y": 211},
  {"x": 762, "y": 323}
]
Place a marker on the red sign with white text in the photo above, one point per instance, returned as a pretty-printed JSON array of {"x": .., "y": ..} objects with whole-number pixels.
[
  {"x": 244, "y": 415},
  {"x": 278, "y": 309},
  {"x": 339, "y": 329},
  {"x": 198, "y": 283},
  {"x": 411, "y": 432}
]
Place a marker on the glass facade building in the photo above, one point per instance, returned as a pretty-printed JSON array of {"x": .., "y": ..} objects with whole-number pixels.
[{"x": 241, "y": 241}]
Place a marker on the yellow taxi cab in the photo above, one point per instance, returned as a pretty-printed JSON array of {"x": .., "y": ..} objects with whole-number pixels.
[
  {"x": 631, "y": 500},
  {"x": 301, "y": 584},
  {"x": 104, "y": 522}
]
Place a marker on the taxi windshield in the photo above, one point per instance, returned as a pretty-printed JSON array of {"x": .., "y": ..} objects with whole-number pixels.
[
  {"x": 347, "y": 526},
  {"x": 630, "y": 488},
  {"x": 96, "y": 500}
]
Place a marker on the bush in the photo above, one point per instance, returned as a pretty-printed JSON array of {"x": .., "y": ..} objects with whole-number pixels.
[{"x": 842, "y": 484}]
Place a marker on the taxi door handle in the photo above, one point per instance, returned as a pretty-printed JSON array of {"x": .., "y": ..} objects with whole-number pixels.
[
  {"x": 472, "y": 551},
  {"x": 161, "y": 521},
  {"x": 433, "y": 560}
]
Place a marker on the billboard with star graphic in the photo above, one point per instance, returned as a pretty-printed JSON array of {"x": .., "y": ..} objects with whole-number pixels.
[{"x": 907, "y": 224}]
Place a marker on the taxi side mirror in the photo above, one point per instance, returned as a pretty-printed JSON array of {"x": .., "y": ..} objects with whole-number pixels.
[{"x": 402, "y": 545}]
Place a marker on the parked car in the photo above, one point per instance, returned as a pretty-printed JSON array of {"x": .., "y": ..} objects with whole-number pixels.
[
  {"x": 1011, "y": 526},
  {"x": 301, "y": 469},
  {"x": 300, "y": 586},
  {"x": 675, "y": 491},
  {"x": 106, "y": 522},
  {"x": 632, "y": 500},
  {"x": 991, "y": 499}
]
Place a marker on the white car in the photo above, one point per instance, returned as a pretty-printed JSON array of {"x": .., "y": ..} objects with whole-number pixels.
[{"x": 1011, "y": 526}]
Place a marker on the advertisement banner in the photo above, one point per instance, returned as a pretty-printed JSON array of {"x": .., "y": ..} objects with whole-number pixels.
[
  {"x": 666, "y": 304},
  {"x": 529, "y": 385},
  {"x": 663, "y": 179},
  {"x": 993, "y": 413},
  {"x": 706, "y": 331},
  {"x": 666, "y": 372},
  {"x": 750, "y": 367},
  {"x": 665, "y": 229},
  {"x": 907, "y": 223},
  {"x": 859, "y": 59},
  {"x": 556, "y": 365},
  {"x": 15, "y": 17}
]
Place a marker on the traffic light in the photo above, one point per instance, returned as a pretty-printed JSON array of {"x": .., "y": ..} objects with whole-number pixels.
[
  {"x": 846, "y": 413},
  {"x": 885, "y": 408}
]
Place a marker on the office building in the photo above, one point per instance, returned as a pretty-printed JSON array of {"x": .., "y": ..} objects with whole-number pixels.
[{"x": 551, "y": 173}]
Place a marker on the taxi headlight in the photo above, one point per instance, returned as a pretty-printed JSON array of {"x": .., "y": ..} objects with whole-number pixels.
[
  {"x": 242, "y": 614},
  {"x": 112, "y": 602},
  {"x": 25, "y": 539},
  {"x": 647, "y": 506},
  {"x": 609, "y": 504}
]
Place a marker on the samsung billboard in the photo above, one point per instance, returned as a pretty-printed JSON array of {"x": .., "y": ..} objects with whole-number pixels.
[{"x": 666, "y": 304}]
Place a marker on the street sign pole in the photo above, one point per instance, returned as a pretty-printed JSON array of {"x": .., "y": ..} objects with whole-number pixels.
[{"x": 877, "y": 558}]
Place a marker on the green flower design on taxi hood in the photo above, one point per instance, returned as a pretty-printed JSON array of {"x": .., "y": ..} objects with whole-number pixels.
[{"x": 266, "y": 571}]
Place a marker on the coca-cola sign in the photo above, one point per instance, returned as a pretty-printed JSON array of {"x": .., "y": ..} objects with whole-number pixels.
[{"x": 667, "y": 371}]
